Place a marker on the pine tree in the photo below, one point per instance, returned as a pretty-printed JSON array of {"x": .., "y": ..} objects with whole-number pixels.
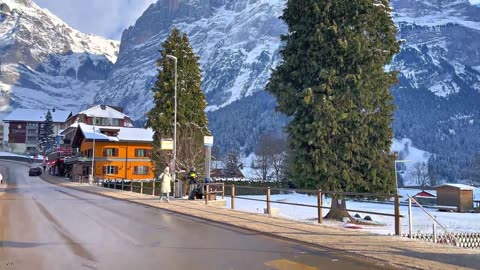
[
  {"x": 333, "y": 84},
  {"x": 192, "y": 123},
  {"x": 47, "y": 137}
]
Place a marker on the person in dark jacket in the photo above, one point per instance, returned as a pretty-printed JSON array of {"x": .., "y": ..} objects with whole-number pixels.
[{"x": 192, "y": 180}]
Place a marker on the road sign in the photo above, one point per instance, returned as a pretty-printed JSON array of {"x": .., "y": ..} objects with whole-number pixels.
[
  {"x": 166, "y": 144},
  {"x": 208, "y": 140}
]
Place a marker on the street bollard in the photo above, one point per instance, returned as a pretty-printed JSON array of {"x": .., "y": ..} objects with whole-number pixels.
[
  {"x": 223, "y": 191},
  {"x": 410, "y": 218},
  {"x": 206, "y": 194},
  {"x": 269, "y": 210},
  {"x": 233, "y": 197},
  {"x": 153, "y": 188},
  {"x": 141, "y": 187},
  {"x": 319, "y": 205}
]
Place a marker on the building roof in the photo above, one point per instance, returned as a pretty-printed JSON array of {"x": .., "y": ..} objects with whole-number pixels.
[
  {"x": 126, "y": 134},
  {"x": 459, "y": 186},
  {"x": 30, "y": 115},
  {"x": 104, "y": 111},
  {"x": 425, "y": 194}
]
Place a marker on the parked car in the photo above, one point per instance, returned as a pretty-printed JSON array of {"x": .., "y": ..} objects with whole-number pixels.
[{"x": 35, "y": 171}]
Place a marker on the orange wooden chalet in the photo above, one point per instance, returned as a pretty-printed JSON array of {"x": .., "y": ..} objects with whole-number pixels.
[{"x": 119, "y": 152}]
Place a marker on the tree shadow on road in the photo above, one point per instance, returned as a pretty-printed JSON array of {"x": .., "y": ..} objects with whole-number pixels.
[
  {"x": 12, "y": 244},
  {"x": 461, "y": 260}
]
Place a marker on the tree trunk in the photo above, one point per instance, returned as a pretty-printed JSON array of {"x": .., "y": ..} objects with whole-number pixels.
[{"x": 337, "y": 211}]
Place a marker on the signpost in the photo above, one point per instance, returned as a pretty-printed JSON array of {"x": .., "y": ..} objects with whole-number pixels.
[
  {"x": 166, "y": 144},
  {"x": 208, "y": 143}
]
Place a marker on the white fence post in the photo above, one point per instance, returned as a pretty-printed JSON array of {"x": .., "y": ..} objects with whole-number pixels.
[{"x": 410, "y": 219}]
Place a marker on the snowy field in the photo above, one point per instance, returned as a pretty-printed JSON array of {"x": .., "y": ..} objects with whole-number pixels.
[{"x": 454, "y": 222}]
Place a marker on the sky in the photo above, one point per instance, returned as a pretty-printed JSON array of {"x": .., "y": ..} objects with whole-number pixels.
[{"x": 107, "y": 18}]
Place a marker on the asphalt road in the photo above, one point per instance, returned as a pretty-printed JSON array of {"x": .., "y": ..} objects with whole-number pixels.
[{"x": 43, "y": 226}]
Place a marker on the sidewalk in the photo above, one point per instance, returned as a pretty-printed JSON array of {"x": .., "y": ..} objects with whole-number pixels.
[{"x": 388, "y": 250}]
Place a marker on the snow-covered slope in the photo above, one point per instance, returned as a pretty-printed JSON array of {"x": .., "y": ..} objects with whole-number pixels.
[{"x": 45, "y": 62}]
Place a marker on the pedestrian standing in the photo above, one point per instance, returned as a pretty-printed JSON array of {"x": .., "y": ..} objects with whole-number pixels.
[
  {"x": 166, "y": 179},
  {"x": 1, "y": 178},
  {"x": 192, "y": 180}
]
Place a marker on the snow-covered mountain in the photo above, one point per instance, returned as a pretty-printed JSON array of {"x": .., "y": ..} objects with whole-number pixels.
[
  {"x": 438, "y": 96},
  {"x": 237, "y": 41},
  {"x": 45, "y": 63}
]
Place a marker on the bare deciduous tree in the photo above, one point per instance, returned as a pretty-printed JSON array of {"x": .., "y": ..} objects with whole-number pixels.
[
  {"x": 420, "y": 174},
  {"x": 270, "y": 156}
]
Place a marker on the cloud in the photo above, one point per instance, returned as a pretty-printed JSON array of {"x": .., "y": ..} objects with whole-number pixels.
[
  {"x": 107, "y": 18},
  {"x": 475, "y": 2}
]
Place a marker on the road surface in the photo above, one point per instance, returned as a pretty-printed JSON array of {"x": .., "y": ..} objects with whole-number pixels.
[{"x": 43, "y": 226}]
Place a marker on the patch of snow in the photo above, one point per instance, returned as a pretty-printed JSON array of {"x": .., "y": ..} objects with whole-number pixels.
[
  {"x": 454, "y": 222},
  {"x": 413, "y": 156}
]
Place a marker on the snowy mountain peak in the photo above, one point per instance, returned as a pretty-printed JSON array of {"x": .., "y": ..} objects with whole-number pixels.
[
  {"x": 43, "y": 60},
  {"x": 19, "y": 4}
]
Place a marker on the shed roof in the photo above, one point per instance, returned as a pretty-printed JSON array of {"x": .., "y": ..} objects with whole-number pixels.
[
  {"x": 425, "y": 194},
  {"x": 458, "y": 186},
  {"x": 31, "y": 115}
]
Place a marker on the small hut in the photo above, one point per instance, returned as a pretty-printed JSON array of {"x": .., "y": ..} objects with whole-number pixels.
[
  {"x": 457, "y": 195},
  {"x": 426, "y": 197}
]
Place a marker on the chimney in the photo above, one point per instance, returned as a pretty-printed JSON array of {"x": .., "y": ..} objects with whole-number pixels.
[
  {"x": 103, "y": 107},
  {"x": 53, "y": 110}
]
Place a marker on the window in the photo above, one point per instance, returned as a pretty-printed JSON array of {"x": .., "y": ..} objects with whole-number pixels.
[
  {"x": 140, "y": 170},
  {"x": 110, "y": 169},
  {"x": 142, "y": 152},
  {"x": 110, "y": 152}
]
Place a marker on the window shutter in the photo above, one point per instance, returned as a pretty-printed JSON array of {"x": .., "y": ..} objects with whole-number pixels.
[
  {"x": 104, "y": 170},
  {"x": 115, "y": 152},
  {"x": 148, "y": 152},
  {"x": 135, "y": 170},
  {"x": 104, "y": 152},
  {"x": 116, "y": 169}
]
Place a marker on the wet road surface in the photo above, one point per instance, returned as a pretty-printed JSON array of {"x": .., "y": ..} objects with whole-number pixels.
[{"x": 43, "y": 226}]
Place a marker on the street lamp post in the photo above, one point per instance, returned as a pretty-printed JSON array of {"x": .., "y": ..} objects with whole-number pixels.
[
  {"x": 93, "y": 154},
  {"x": 175, "y": 60}
]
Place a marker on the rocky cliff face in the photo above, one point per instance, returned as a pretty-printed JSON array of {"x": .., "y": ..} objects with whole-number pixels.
[
  {"x": 237, "y": 40},
  {"x": 45, "y": 62}
]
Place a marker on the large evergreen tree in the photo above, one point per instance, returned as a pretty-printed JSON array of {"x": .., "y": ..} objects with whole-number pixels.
[
  {"x": 47, "y": 137},
  {"x": 332, "y": 82},
  {"x": 192, "y": 123}
]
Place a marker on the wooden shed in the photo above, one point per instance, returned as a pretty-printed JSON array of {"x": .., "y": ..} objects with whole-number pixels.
[
  {"x": 458, "y": 195},
  {"x": 426, "y": 198}
]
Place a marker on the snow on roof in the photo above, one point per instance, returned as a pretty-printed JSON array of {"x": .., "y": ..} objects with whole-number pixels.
[
  {"x": 30, "y": 115},
  {"x": 107, "y": 112},
  {"x": 459, "y": 186},
  {"x": 124, "y": 134}
]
